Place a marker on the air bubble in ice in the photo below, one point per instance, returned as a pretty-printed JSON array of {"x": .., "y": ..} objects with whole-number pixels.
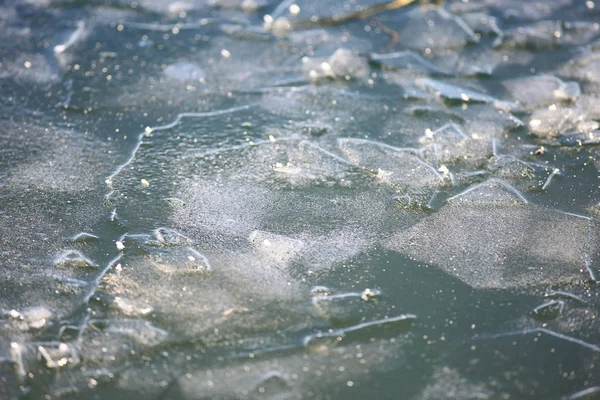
[
  {"x": 73, "y": 259},
  {"x": 179, "y": 260}
]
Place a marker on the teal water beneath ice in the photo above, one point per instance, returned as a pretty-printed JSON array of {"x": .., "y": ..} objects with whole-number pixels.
[{"x": 223, "y": 199}]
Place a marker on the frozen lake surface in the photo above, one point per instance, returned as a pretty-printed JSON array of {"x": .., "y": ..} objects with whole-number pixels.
[{"x": 264, "y": 199}]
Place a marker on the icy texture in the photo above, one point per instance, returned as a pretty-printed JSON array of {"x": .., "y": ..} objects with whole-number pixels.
[
  {"x": 490, "y": 236},
  {"x": 542, "y": 91},
  {"x": 290, "y": 376},
  {"x": 342, "y": 64},
  {"x": 398, "y": 168},
  {"x": 448, "y": 384},
  {"x": 538, "y": 36},
  {"x": 586, "y": 68},
  {"x": 52, "y": 194},
  {"x": 555, "y": 121},
  {"x": 299, "y": 199},
  {"x": 185, "y": 72},
  {"x": 286, "y": 17},
  {"x": 406, "y": 61},
  {"x": 449, "y": 144},
  {"x": 242, "y": 228},
  {"x": 455, "y": 94},
  {"x": 73, "y": 259}
]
